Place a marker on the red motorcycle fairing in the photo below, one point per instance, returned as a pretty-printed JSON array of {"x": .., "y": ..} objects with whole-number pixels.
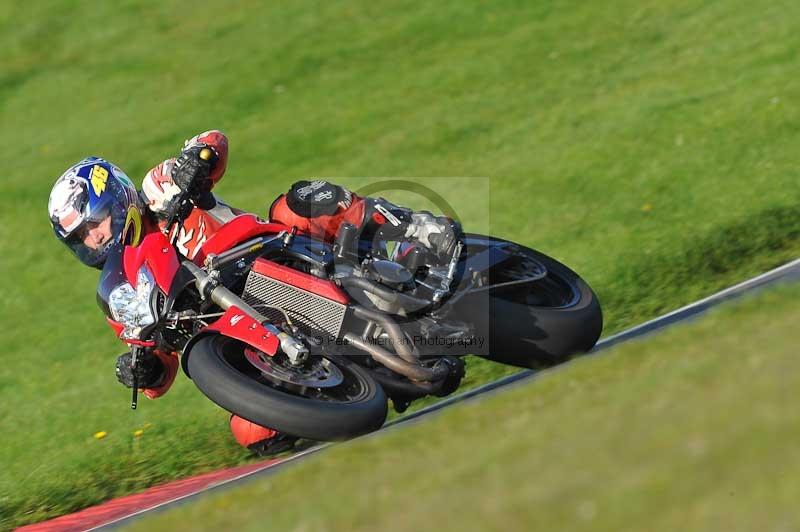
[
  {"x": 304, "y": 281},
  {"x": 163, "y": 262},
  {"x": 160, "y": 256},
  {"x": 156, "y": 251},
  {"x": 118, "y": 327},
  {"x": 235, "y": 323},
  {"x": 236, "y": 231}
]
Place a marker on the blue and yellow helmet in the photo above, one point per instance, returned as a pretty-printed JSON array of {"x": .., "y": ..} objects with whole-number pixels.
[{"x": 93, "y": 191}]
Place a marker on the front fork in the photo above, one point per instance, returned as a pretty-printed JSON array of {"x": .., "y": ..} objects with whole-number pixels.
[{"x": 210, "y": 288}]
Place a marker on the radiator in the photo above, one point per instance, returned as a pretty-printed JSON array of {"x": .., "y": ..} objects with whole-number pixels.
[{"x": 313, "y": 314}]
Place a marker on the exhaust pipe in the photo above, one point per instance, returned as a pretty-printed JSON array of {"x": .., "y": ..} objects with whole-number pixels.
[{"x": 414, "y": 372}]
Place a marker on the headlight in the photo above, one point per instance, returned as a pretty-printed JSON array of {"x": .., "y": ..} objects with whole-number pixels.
[{"x": 132, "y": 307}]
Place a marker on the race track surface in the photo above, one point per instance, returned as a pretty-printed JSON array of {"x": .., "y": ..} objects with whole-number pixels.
[{"x": 119, "y": 511}]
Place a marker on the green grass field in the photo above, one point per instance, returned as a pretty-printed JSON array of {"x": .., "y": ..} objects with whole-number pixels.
[
  {"x": 692, "y": 429},
  {"x": 650, "y": 145}
]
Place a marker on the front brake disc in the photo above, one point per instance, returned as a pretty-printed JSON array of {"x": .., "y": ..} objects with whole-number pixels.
[{"x": 316, "y": 372}]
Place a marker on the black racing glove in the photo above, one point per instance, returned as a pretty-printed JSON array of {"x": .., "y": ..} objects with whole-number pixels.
[
  {"x": 190, "y": 172},
  {"x": 192, "y": 168},
  {"x": 149, "y": 370},
  {"x": 178, "y": 208}
]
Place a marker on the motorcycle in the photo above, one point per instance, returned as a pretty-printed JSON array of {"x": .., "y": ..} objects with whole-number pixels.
[{"x": 311, "y": 337}]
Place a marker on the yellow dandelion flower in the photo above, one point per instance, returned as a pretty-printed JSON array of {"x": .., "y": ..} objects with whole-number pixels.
[
  {"x": 100, "y": 435},
  {"x": 138, "y": 433}
]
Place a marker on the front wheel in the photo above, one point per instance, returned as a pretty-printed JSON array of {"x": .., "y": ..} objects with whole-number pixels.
[{"x": 219, "y": 366}]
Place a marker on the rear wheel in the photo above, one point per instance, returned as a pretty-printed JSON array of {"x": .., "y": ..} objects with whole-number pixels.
[
  {"x": 328, "y": 398},
  {"x": 540, "y": 323}
]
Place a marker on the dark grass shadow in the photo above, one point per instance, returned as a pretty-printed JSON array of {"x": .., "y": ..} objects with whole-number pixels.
[{"x": 644, "y": 286}]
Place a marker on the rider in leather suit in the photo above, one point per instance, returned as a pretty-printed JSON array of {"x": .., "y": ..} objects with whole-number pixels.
[{"x": 87, "y": 223}]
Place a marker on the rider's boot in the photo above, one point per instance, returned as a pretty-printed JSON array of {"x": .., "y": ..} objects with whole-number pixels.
[{"x": 260, "y": 440}]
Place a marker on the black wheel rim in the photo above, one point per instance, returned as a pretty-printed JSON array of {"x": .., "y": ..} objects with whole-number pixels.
[
  {"x": 552, "y": 291},
  {"x": 354, "y": 388}
]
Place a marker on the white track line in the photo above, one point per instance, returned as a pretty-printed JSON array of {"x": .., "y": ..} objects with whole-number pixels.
[{"x": 787, "y": 272}]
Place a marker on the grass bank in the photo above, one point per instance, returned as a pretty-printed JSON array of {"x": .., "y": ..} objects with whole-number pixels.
[
  {"x": 649, "y": 145},
  {"x": 692, "y": 429}
]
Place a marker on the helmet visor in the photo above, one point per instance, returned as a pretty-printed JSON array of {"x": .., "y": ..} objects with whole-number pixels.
[
  {"x": 97, "y": 234},
  {"x": 69, "y": 202}
]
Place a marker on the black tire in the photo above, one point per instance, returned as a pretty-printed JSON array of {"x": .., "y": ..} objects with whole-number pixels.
[
  {"x": 543, "y": 325},
  {"x": 226, "y": 379}
]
